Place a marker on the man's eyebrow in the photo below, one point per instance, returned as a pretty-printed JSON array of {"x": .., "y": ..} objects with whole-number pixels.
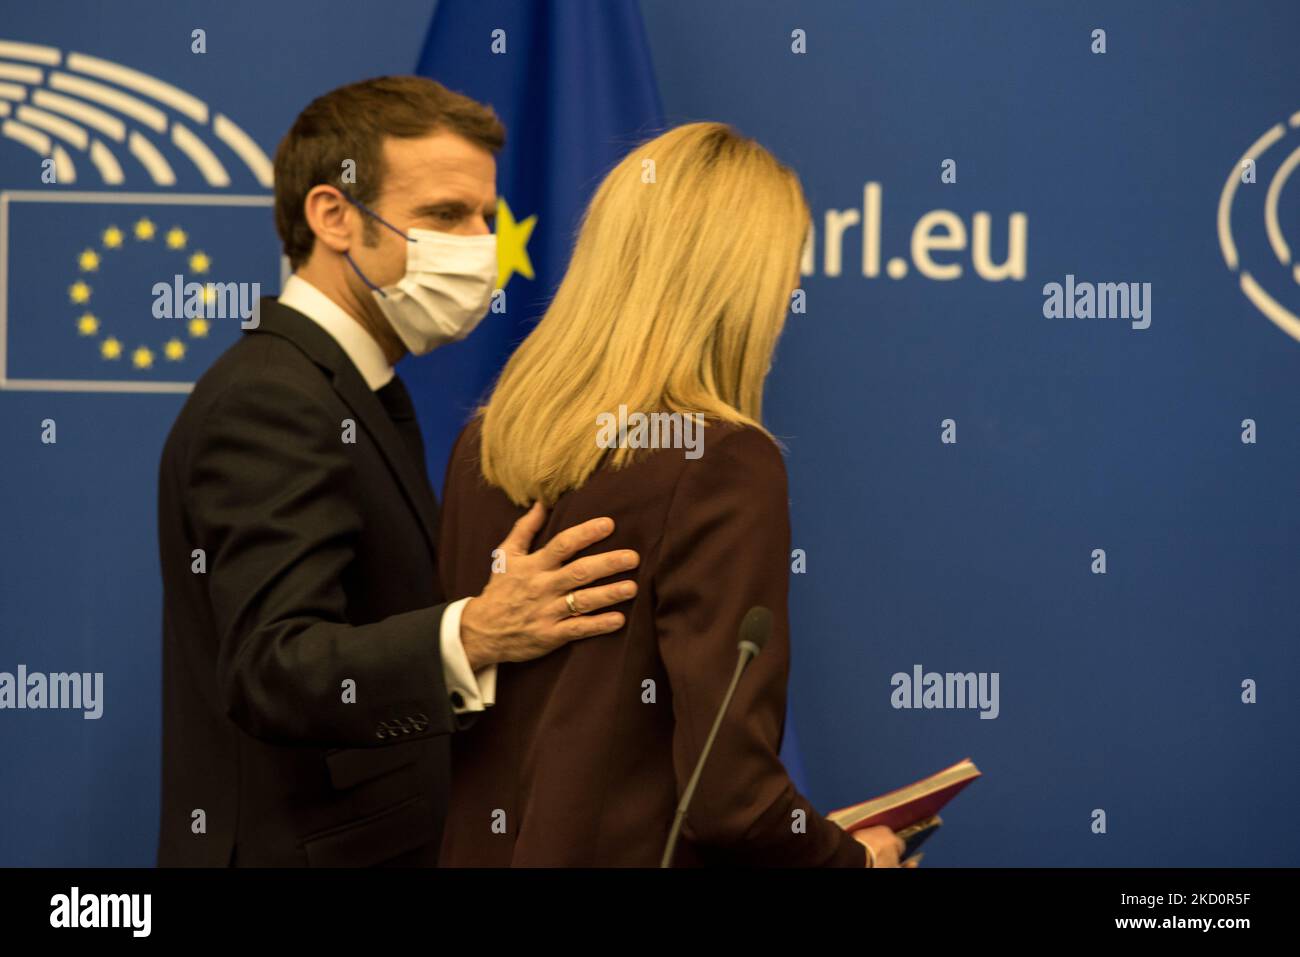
[{"x": 453, "y": 206}]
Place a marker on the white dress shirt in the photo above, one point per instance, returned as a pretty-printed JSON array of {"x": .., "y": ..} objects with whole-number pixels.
[{"x": 469, "y": 690}]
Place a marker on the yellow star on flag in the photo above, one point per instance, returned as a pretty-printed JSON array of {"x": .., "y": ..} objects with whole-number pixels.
[
  {"x": 142, "y": 358},
  {"x": 88, "y": 260},
  {"x": 200, "y": 262},
  {"x": 145, "y": 230},
  {"x": 110, "y": 348},
  {"x": 198, "y": 328},
  {"x": 87, "y": 325},
  {"x": 174, "y": 350},
  {"x": 512, "y": 244},
  {"x": 112, "y": 237},
  {"x": 79, "y": 292},
  {"x": 176, "y": 238}
]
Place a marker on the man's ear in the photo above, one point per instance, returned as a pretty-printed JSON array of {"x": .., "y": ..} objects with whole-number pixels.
[{"x": 330, "y": 217}]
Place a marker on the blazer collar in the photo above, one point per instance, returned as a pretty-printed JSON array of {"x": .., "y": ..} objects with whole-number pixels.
[{"x": 322, "y": 349}]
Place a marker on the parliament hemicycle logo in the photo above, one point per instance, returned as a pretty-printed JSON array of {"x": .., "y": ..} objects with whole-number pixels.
[
  {"x": 93, "y": 218},
  {"x": 1271, "y": 257}
]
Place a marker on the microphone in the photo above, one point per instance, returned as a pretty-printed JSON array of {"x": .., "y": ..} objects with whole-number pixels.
[{"x": 755, "y": 629}]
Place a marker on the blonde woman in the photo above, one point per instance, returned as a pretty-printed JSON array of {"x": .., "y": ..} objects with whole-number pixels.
[{"x": 673, "y": 302}]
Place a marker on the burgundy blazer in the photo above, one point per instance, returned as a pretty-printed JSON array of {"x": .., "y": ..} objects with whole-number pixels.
[{"x": 586, "y": 752}]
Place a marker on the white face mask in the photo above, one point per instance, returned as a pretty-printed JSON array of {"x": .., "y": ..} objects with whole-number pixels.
[{"x": 446, "y": 290}]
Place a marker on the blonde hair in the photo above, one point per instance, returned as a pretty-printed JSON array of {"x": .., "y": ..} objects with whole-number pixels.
[{"x": 673, "y": 302}]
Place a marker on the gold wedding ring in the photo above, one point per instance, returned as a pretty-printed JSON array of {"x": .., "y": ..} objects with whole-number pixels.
[{"x": 573, "y": 606}]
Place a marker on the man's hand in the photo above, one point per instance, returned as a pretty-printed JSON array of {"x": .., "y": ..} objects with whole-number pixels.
[{"x": 522, "y": 614}]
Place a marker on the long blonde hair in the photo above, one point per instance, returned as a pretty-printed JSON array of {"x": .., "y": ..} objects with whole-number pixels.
[{"x": 673, "y": 302}]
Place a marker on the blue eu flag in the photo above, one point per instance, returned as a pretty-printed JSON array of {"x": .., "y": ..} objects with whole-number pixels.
[
  {"x": 573, "y": 83},
  {"x": 126, "y": 292}
]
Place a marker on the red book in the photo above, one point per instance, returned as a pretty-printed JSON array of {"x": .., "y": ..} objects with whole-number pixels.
[{"x": 912, "y": 811}]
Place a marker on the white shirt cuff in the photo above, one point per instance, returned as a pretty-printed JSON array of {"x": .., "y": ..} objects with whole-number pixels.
[{"x": 476, "y": 690}]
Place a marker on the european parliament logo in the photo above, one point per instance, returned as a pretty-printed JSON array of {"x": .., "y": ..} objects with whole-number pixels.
[
  {"x": 1268, "y": 269},
  {"x": 107, "y": 290}
]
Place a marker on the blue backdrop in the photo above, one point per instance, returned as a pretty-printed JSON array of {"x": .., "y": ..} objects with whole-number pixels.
[{"x": 1119, "y": 691}]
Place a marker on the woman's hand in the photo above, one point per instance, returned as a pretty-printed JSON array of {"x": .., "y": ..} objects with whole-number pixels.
[{"x": 884, "y": 844}]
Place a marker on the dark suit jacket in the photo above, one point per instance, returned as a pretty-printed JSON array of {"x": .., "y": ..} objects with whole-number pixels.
[
  {"x": 320, "y": 572},
  {"x": 579, "y": 763}
]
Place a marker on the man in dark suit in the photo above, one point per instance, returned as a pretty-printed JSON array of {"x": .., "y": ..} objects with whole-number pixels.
[{"x": 312, "y": 674}]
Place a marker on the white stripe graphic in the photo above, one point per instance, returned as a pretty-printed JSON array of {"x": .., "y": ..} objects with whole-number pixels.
[
  {"x": 200, "y": 155},
  {"x": 29, "y": 137},
  {"x": 109, "y": 168},
  {"x": 1227, "y": 245},
  {"x": 244, "y": 148},
  {"x": 30, "y": 75},
  {"x": 63, "y": 168},
  {"x": 178, "y": 100},
  {"x": 1271, "y": 225},
  {"x": 60, "y": 127},
  {"x": 150, "y": 116},
  {"x": 96, "y": 119},
  {"x": 31, "y": 52},
  {"x": 1280, "y": 316},
  {"x": 151, "y": 159},
  {"x": 163, "y": 199}
]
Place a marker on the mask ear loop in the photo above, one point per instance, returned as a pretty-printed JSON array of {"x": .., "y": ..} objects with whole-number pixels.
[
  {"x": 355, "y": 269},
  {"x": 372, "y": 213}
]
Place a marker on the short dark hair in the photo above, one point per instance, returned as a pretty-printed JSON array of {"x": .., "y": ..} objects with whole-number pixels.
[{"x": 351, "y": 123}]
